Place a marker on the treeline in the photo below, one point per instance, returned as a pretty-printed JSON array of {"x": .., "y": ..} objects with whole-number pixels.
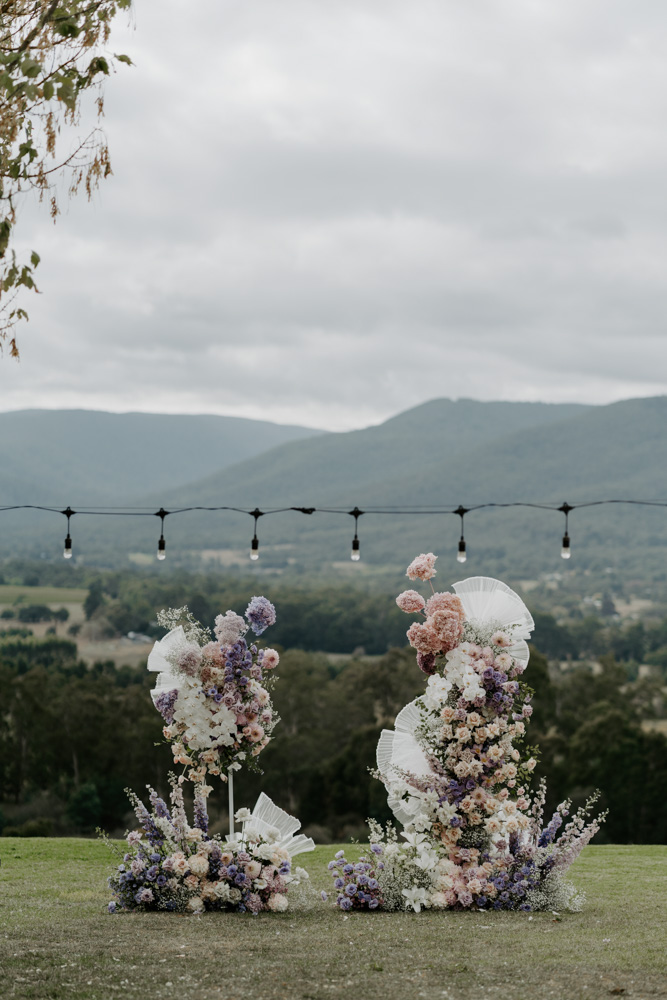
[{"x": 72, "y": 738}]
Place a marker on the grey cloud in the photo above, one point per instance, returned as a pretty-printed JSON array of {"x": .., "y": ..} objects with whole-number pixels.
[{"x": 326, "y": 213}]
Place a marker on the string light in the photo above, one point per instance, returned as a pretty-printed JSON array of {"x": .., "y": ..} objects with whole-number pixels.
[
  {"x": 67, "y": 551},
  {"x": 254, "y": 545},
  {"x": 355, "y": 554},
  {"x": 461, "y": 554},
  {"x": 161, "y": 545},
  {"x": 565, "y": 550}
]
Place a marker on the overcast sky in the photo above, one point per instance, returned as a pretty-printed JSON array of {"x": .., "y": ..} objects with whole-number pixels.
[{"x": 328, "y": 211}]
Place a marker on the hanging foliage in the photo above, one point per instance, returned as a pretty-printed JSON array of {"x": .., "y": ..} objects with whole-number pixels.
[{"x": 52, "y": 55}]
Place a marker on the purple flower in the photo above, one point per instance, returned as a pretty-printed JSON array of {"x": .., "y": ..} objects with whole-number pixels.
[
  {"x": 324, "y": 895},
  {"x": 111, "y": 907},
  {"x": 339, "y": 883},
  {"x": 350, "y": 889},
  {"x": 373, "y": 883},
  {"x": 165, "y": 703},
  {"x": 426, "y": 662},
  {"x": 373, "y": 905},
  {"x": 260, "y": 613},
  {"x": 376, "y": 849},
  {"x": 345, "y": 903}
]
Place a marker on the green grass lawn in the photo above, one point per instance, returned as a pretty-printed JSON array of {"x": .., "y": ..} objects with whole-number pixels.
[
  {"x": 41, "y": 595},
  {"x": 57, "y": 941}
]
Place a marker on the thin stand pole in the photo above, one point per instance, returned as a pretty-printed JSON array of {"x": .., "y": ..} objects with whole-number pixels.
[{"x": 230, "y": 785}]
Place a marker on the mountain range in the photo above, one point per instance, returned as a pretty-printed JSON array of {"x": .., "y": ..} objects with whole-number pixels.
[{"x": 442, "y": 453}]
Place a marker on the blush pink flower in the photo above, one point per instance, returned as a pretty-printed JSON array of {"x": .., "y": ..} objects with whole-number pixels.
[
  {"x": 445, "y": 602},
  {"x": 410, "y": 601},
  {"x": 423, "y": 567},
  {"x": 423, "y": 639},
  {"x": 448, "y": 626},
  {"x": 254, "y": 732},
  {"x": 270, "y": 659},
  {"x": 501, "y": 639}
]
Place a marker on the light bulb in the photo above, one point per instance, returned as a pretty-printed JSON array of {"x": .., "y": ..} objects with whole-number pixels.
[
  {"x": 565, "y": 551},
  {"x": 254, "y": 549},
  {"x": 461, "y": 554},
  {"x": 67, "y": 552},
  {"x": 161, "y": 546},
  {"x": 355, "y": 555}
]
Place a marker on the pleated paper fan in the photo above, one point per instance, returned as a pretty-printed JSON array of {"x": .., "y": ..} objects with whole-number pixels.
[
  {"x": 267, "y": 814},
  {"x": 492, "y": 602},
  {"x": 398, "y": 748}
]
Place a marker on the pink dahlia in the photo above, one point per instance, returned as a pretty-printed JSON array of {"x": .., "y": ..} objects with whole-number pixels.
[
  {"x": 423, "y": 567},
  {"x": 410, "y": 601}
]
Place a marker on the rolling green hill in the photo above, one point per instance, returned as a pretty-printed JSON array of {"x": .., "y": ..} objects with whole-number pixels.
[{"x": 60, "y": 457}]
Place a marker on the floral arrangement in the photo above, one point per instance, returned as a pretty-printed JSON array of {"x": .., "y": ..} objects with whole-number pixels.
[
  {"x": 457, "y": 772},
  {"x": 356, "y": 885},
  {"x": 213, "y": 694},
  {"x": 170, "y": 865}
]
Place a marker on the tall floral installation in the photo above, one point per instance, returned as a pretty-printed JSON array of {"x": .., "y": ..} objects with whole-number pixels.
[
  {"x": 214, "y": 694},
  {"x": 457, "y": 772},
  {"x": 215, "y": 700}
]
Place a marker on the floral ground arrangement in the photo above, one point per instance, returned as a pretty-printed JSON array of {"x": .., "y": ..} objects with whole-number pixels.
[
  {"x": 170, "y": 865},
  {"x": 457, "y": 771},
  {"x": 57, "y": 942}
]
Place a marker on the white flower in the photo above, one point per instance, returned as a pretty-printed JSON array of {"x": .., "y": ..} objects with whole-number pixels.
[
  {"x": 413, "y": 839},
  {"x": 221, "y": 890},
  {"x": 242, "y": 815},
  {"x": 415, "y": 898},
  {"x": 437, "y": 690},
  {"x": 277, "y": 902},
  {"x": 302, "y": 874},
  {"x": 234, "y": 895},
  {"x": 195, "y": 904},
  {"x": 422, "y": 822},
  {"x": 198, "y": 865},
  {"x": 264, "y": 852}
]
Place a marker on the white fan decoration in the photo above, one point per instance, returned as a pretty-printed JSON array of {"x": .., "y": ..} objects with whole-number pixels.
[
  {"x": 267, "y": 816},
  {"x": 487, "y": 602},
  {"x": 159, "y": 661},
  {"x": 492, "y": 602}
]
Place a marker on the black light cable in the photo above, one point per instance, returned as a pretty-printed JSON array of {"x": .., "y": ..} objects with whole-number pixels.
[{"x": 460, "y": 511}]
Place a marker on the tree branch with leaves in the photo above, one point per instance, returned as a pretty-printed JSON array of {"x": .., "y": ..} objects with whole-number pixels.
[{"x": 52, "y": 57}]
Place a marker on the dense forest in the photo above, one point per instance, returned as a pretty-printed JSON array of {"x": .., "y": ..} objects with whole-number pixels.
[{"x": 73, "y": 736}]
